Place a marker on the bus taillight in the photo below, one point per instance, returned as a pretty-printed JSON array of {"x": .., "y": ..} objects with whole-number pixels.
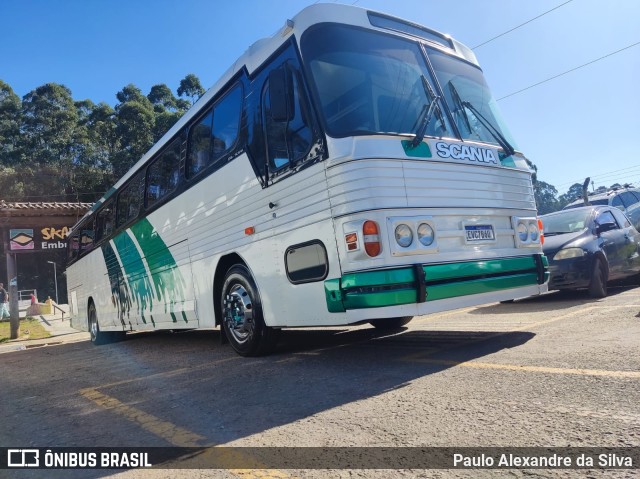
[
  {"x": 371, "y": 235},
  {"x": 541, "y": 229}
]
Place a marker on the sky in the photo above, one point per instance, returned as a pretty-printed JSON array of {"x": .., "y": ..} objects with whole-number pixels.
[{"x": 583, "y": 123}]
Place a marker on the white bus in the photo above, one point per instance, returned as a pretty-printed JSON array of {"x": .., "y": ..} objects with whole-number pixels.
[{"x": 352, "y": 168}]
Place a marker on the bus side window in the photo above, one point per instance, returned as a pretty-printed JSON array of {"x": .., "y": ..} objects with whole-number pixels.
[
  {"x": 287, "y": 141},
  {"x": 226, "y": 122},
  {"x": 130, "y": 199},
  {"x": 104, "y": 222},
  {"x": 163, "y": 174},
  {"x": 199, "y": 145},
  {"x": 73, "y": 247}
]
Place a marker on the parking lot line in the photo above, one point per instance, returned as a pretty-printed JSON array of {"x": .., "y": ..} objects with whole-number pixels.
[
  {"x": 536, "y": 369},
  {"x": 168, "y": 374},
  {"x": 422, "y": 355},
  {"x": 181, "y": 437},
  {"x": 164, "y": 429}
]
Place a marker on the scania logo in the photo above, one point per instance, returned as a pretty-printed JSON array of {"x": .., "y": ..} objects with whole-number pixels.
[{"x": 466, "y": 152}]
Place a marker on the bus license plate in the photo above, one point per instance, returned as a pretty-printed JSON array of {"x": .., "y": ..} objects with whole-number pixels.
[{"x": 476, "y": 233}]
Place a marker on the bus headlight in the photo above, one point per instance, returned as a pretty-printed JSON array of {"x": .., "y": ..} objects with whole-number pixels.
[
  {"x": 534, "y": 233},
  {"x": 523, "y": 232},
  {"x": 404, "y": 235},
  {"x": 426, "y": 235}
]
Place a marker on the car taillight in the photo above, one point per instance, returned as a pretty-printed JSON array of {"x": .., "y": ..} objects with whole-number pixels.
[{"x": 371, "y": 236}]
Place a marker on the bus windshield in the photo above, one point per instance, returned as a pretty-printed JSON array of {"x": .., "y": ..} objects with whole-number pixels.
[
  {"x": 372, "y": 83},
  {"x": 469, "y": 98}
]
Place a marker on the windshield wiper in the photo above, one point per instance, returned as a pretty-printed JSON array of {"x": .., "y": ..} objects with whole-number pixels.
[
  {"x": 459, "y": 106},
  {"x": 506, "y": 146},
  {"x": 431, "y": 94},
  {"x": 427, "y": 112}
]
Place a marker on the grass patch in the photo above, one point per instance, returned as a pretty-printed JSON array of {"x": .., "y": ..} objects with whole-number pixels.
[{"x": 30, "y": 328}]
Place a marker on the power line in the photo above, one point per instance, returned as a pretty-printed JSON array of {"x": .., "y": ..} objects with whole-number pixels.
[
  {"x": 521, "y": 25},
  {"x": 569, "y": 71},
  {"x": 604, "y": 175}
]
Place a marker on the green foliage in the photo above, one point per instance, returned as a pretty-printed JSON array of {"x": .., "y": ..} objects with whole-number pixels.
[
  {"x": 53, "y": 148},
  {"x": 574, "y": 192},
  {"x": 546, "y": 197},
  {"x": 10, "y": 119},
  {"x": 190, "y": 86}
]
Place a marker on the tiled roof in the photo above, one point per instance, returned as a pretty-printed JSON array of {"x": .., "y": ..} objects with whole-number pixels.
[{"x": 28, "y": 208}]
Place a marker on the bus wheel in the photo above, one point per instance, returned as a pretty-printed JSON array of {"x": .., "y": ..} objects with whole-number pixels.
[
  {"x": 97, "y": 336},
  {"x": 390, "y": 323},
  {"x": 242, "y": 317}
]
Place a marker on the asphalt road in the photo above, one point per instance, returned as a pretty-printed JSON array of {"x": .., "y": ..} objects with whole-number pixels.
[{"x": 558, "y": 370}]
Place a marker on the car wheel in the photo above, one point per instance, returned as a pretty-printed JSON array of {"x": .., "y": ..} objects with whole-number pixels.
[
  {"x": 598, "y": 283},
  {"x": 242, "y": 317},
  {"x": 390, "y": 323}
]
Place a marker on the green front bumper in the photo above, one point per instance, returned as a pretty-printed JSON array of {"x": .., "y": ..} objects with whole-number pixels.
[{"x": 421, "y": 283}]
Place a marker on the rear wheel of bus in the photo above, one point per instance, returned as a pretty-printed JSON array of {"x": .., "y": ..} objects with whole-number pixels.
[
  {"x": 100, "y": 337},
  {"x": 242, "y": 317}
]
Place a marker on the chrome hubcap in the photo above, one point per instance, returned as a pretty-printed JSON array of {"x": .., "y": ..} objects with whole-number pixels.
[
  {"x": 238, "y": 313},
  {"x": 94, "y": 326}
]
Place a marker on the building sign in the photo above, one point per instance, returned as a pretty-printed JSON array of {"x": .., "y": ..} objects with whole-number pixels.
[
  {"x": 21, "y": 239},
  {"x": 33, "y": 240}
]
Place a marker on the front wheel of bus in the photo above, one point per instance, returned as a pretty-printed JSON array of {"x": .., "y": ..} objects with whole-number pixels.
[
  {"x": 390, "y": 323},
  {"x": 242, "y": 317}
]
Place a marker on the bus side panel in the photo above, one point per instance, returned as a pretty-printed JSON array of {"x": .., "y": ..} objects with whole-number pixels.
[
  {"x": 302, "y": 217},
  {"x": 161, "y": 282},
  {"x": 213, "y": 214},
  {"x": 88, "y": 279}
]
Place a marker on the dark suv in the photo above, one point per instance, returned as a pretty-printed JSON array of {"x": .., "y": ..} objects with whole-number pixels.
[{"x": 621, "y": 198}]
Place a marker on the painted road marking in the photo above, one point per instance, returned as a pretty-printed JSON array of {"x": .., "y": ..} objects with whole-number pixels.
[
  {"x": 181, "y": 437},
  {"x": 420, "y": 356},
  {"x": 168, "y": 374},
  {"x": 164, "y": 429},
  {"x": 536, "y": 369}
]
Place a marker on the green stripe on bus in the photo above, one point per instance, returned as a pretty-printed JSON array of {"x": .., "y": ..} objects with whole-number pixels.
[
  {"x": 119, "y": 288},
  {"x": 136, "y": 274},
  {"x": 167, "y": 279},
  {"x": 373, "y": 289}
]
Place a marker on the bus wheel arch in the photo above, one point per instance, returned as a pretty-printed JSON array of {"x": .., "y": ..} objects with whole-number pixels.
[
  {"x": 242, "y": 316},
  {"x": 97, "y": 336},
  {"x": 225, "y": 263}
]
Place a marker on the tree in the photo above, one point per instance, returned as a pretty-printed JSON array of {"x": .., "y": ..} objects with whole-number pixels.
[
  {"x": 167, "y": 108},
  {"x": 161, "y": 95},
  {"x": 10, "y": 118},
  {"x": 545, "y": 195},
  {"x": 573, "y": 193},
  {"x": 190, "y": 86},
  {"x": 50, "y": 119},
  {"x": 135, "y": 122}
]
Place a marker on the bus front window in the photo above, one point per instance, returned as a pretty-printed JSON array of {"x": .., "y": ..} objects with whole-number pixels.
[
  {"x": 462, "y": 84},
  {"x": 369, "y": 83}
]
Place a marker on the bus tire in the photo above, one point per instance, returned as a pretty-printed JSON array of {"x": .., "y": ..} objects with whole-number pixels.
[
  {"x": 97, "y": 337},
  {"x": 390, "y": 323},
  {"x": 242, "y": 317}
]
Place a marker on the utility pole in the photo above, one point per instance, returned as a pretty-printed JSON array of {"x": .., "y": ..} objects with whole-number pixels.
[
  {"x": 14, "y": 313},
  {"x": 55, "y": 278}
]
